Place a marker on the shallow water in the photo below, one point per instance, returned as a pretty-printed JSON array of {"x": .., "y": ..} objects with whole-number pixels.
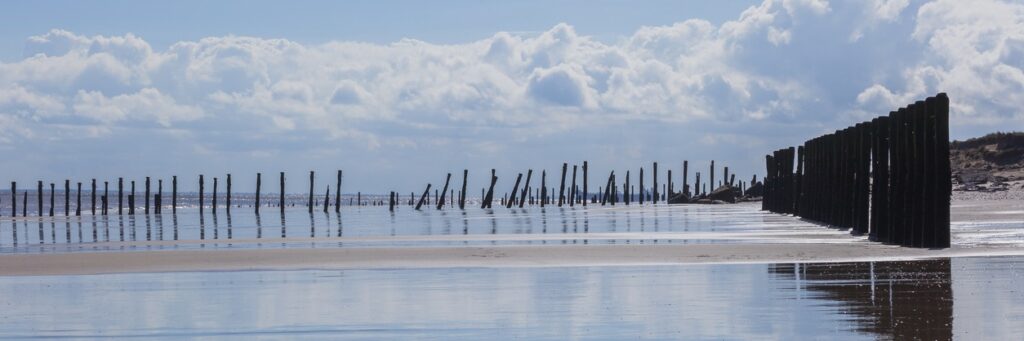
[
  {"x": 974, "y": 224},
  {"x": 963, "y": 298}
]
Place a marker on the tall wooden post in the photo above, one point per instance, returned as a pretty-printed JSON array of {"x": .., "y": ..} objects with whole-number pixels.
[
  {"x": 310, "y": 203},
  {"x": 440, "y": 202},
  {"x": 572, "y": 188},
  {"x": 78, "y": 200},
  {"x": 174, "y": 194},
  {"x": 642, "y": 186},
  {"x": 259, "y": 184},
  {"x": 120, "y": 196},
  {"x": 585, "y": 184},
  {"x": 512, "y": 199},
  {"x": 561, "y": 186},
  {"x": 67, "y": 197},
  {"x": 201, "y": 194},
  {"x": 337, "y": 194},
  {"x": 51, "y": 199},
  {"x": 213, "y": 206},
  {"x": 227, "y": 195},
  {"x": 462, "y": 199},
  {"x": 712, "y": 183},
  {"x": 423, "y": 197},
  {"x": 39, "y": 197},
  {"x": 93, "y": 196},
  {"x": 281, "y": 200},
  {"x": 686, "y": 182},
  {"x": 544, "y": 187},
  {"x": 655, "y": 189},
  {"x": 526, "y": 188},
  {"x": 14, "y": 199}
]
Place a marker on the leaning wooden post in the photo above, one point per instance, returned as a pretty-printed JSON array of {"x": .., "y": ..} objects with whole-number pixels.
[
  {"x": 444, "y": 192},
  {"x": 281, "y": 200},
  {"x": 561, "y": 186},
  {"x": 259, "y": 184},
  {"x": 327, "y": 198},
  {"x": 67, "y": 197},
  {"x": 489, "y": 197},
  {"x": 512, "y": 198},
  {"x": 526, "y": 187},
  {"x": 423, "y": 197},
  {"x": 337, "y": 194},
  {"x": 310, "y": 203},
  {"x": 572, "y": 188},
  {"x": 462, "y": 198}
]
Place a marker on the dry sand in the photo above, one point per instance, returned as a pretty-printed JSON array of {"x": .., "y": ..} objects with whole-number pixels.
[{"x": 496, "y": 256}]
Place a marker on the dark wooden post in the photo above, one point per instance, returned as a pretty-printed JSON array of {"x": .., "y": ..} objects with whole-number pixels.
[
  {"x": 655, "y": 180},
  {"x": 310, "y": 203},
  {"x": 259, "y": 184},
  {"x": 440, "y": 202},
  {"x": 585, "y": 183},
  {"x": 174, "y": 194},
  {"x": 78, "y": 200},
  {"x": 608, "y": 189},
  {"x": 120, "y": 196},
  {"x": 227, "y": 195},
  {"x": 544, "y": 187},
  {"x": 686, "y": 182},
  {"x": 39, "y": 197},
  {"x": 24, "y": 204},
  {"x": 67, "y": 197},
  {"x": 14, "y": 199},
  {"x": 213, "y": 206},
  {"x": 642, "y": 186},
  {"x": 561, "y": 187},
  {"x": 51, "y": 198},
  {"x": 696, "y": 185},
  {"x": 423, "y": 197},
  {"x": 93, "y": 196},
  {"x": 880, "y": 180},
  {"x": 625, "y": 190},
  {"x": 202, "y": 188},
  {"x": 106, "y": 196},
  {"x": 131, "y": 199},
  {"x": 668, "y": 186},
  {"x": 145, "y": 208},
  {"x": 281, "y": 199},
  {"x": 572, "y": 188},
  {"x": 489, "y": 197},
  {"x": 526, "y": 187},
  {"x": 512, "y": 199},
  {"x": 160, "y": 196},
  {"x": 462, "y": 199},
  {"x": 337, "y": 194},
  {"x": 943, "y": 185},
  {"x": 327, "y": 198}
]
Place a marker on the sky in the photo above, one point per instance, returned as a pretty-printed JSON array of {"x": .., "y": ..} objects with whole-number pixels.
[{"x": 399, "y": 93}]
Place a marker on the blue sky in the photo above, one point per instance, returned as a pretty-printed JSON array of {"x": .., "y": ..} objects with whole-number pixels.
[{"x": 397, "y": 93}]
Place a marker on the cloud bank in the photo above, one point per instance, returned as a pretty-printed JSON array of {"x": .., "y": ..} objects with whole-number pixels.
[{"x": 780, "y": 73}]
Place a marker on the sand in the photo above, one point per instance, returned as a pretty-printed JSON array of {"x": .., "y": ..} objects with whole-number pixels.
[{"x": 496, "y": 256}]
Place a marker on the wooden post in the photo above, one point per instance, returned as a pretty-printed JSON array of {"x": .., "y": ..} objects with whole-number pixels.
[
  {"x": 14, "y": 199},
  {"x": 24, "y": 204},
  {"x": 625, "y": 190},
  {"x": 202, "y": 188},
  {"x": 943, "y": 184},
  {"x": 93, "y": 196},
  {"x": 51, "y": 199},
  {"x": 572, "y": 188},
  {"x": 78, "y": 200},
  {"x": 131, "y": 199},
  {"x": 696, "y": 185},
  {"x": 310, "y": 203},
  {"x": 544, "y": 187},
  {"x": 174, "y": 195},
  {"x": 160, "y": 196},
  {"x": 669, "y": 187},
  {"x": 608, "y": 189},
  {"x": 259, "y": 184},
  {"x": 462, "y": 199},
  {"x": 281, "y": 199},
  {"x": 880, "y": 180},
  {"x": 213, "y": 206},
  {"x": 712, "y": 183},
  {"x": 489, "y": 197},
  {"x": 327, "y": 198},
  {"x": 561, "y": 187},
  {"x": 423, "y": 197},
  {"x": 106, "y": 196},
  {"x": 39, "y": 197},
  {"x": 440, "y": 202},
  {"x": 227, "y": 195},
  {"x": 512, "y": 198},
  {"x": 337, "y": 194},
  {"x": 686, "y": 182},
  {"x": 526, "y": 187},
  {"x": 655, "y": 189},
  {"x": 67, "y": 197},
  {"x": 641, "y": 186},
  {"x": 146, "y": 200},
  {"x": 585, "y": 184},
  {"x": 120, "y": 196}
]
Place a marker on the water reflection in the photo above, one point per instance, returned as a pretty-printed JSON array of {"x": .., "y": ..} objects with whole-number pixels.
[{"x": 901, "y": 300}]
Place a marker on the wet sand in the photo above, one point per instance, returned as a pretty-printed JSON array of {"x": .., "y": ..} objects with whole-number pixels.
[{"x": 441, "y": 257}]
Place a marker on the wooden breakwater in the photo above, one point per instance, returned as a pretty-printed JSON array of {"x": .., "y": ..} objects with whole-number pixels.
[{"x": 888, "y": 177}]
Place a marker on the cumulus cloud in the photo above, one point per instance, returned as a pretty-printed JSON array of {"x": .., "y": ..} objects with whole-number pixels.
[{"x": 796, "y": 64}]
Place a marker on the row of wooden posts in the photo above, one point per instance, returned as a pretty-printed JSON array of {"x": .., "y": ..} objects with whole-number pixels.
[
  {"x": 520, "y": 195},
  {"x": 888, "y": 178}
]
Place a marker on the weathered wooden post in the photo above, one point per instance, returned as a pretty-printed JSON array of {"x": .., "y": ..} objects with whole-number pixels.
[
  {"x": 131, "y": 200},
  {"x": 584, "y": 183},
  {"x": 440, "y": 202},
  {"x": 515, "y": 189},
  {"x": 145, "y": 208},
  {"x": 24, "y": 204},
  {"x": 159, "y": 195},
  {"x": 943, "y": 185},
  {"x": 67, "y": 198},
  {"x": 561, "y": 186},
  {"x": 174, "y": 194},
  {"x": 310, "y": 203},
  {"x": 625, "y": 190},
  {"x": 93, "y": 196},
  {"x": 655, "y": 189},
  {"x": 202, "y": 188},
  {"x": 227, "y": 195},
  {"x": 696, "y": 185},
  {"x": 608, "y": 189},
  {"x": 39, "y": 197},
  {"x": 572, "y": 188},
  {"x": 668, "y": 186},
  {"x": 106, "y": 195},
  {"x": 327, "y": 198},
  {"x": 281, "y": 199},
  {"x": 120, "y": 196},
  {"x": 337, "y": 194},
  {"x": 880, "y": 180},
  {"x": 544, "y": 187},
  {"x": 641, "y": 186},
  {"x": 462, "y": 199},
  {"x": 78, "y": 200},
  {"x": 526, "y": 187},
  {"x": 686, "y": 174},
  {"x": 213, "y": 206},
  {"x": 259, "y": 184},
  {"x": 489, "y": 197},
  {"x": 14, "y": 199},
  {"x": 51, "y": 199},
  {"x": 423, "y": 197}
]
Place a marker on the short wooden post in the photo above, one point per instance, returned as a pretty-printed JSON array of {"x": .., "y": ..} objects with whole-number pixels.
[
  {"x": 39, "y": 197},
  {"x": 14, "y": 198},
  {"x": 78, "y": 200},
  {"x": 51, "y": 199}
]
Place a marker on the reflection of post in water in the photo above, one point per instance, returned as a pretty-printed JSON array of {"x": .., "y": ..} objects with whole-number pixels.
[
  {"x": 494, "y": 223},
  {"x": 95, "y": 236},
  {"x": 259, "y": 227},
  {"x": 284, "y": 232},
  {"x": 120, "y": 226},
  {"x": 465, "y": 223},
  {"x": 228, "y": 215},
  {"x": 160, "y": 224},
  {"x": 149, "y": 229},
  {"x": 106, "y": 229},
  {"x": 53, "y": 231},
  {"x": 40, "y": 226},
  {"x": 67, "y": 231},
  {"x": 338, "y": 215},
  {"x": 79, "y": 230},
  {"x": 312, "y": 225},
  {"x": 131, "y": 227},
  {"x": 202, "y": 227},
  {"x": 174, "y": 223},
  {"x": 215, "y": 227},
  {"x": 898, "y": 300}
]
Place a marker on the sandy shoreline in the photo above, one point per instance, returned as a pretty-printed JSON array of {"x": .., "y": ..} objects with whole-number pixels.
[{"x": 441, "y": 257}]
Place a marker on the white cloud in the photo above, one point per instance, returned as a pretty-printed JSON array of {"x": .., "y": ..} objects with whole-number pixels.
[{"x": 147, "y": 105}]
